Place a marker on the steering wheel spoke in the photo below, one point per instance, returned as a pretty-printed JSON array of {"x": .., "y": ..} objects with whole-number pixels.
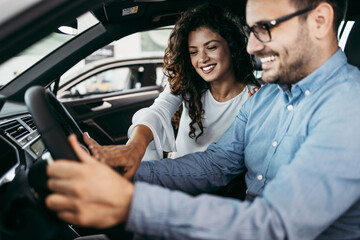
[{"x": 53, "y": 122}]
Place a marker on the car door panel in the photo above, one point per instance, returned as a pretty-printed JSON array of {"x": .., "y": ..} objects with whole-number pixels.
[{"x": 107, "y": 117}]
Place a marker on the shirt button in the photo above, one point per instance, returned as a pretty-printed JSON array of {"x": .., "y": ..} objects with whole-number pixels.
[
  {"x": 290, "y": 107},
  {"x": 307, "y": 92},
  {"x": 274, "y": 143},
  {"x": 259, "y": 177}
]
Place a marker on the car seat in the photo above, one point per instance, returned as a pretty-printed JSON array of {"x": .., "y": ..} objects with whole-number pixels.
[{"x": 352, "y": 47}]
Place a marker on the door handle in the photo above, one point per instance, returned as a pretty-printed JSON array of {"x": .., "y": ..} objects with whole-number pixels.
[{"x": 104, "y": 106}]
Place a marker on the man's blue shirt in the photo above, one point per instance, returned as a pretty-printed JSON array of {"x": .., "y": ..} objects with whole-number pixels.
[{"x": 301, "y": 150}]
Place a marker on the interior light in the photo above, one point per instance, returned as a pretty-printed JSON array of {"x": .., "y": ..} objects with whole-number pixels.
[{"x": 68, "y": 30}]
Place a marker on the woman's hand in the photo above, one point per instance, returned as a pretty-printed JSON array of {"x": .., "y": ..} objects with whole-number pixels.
[
  {"x": 253, "y": 91},
  {"x": 128, "y": 156}
]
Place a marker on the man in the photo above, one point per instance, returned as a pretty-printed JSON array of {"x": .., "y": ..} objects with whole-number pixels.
[{"x": 298, "y": 138}]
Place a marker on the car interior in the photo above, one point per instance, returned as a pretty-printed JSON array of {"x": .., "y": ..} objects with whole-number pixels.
[{"x": 36, "y": 117}]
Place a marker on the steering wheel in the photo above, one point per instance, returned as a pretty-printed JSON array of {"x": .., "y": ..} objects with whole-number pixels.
[
  {"x": 53, "y": 122},
  {"x": 23, "y": 214}
]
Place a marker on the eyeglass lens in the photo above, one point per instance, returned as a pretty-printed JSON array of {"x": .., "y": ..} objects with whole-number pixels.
[{"x": 260, "y": 31}]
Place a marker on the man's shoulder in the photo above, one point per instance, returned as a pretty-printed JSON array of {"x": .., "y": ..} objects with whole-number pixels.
[
  {"x": 346, "y": 81},
  {"x": 262, "y": 98},
  {"x": 266, "y": 93},
  {"x": 338, "y": 95},
  {"x": 268, "y": 89},
  {"x": 352, "y": 72}
]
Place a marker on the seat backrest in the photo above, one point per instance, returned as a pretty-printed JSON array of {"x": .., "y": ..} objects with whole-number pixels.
[{"x": 352, "y": 47}]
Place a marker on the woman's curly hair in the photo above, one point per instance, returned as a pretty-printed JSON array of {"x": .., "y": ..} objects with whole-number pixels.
[{"x": 182, "y": 77}]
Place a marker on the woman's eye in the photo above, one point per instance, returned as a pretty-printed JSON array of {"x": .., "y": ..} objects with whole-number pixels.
[
  {"x": 193, "y": 52},
  {"x": 212, "y": 47}
]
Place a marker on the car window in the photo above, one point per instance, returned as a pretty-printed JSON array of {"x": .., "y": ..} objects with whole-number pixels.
[
  {"x": 10, "y": 69},
  {"x": 129, "y": 63},
  {"x": 119, "y": 79},
  {"x": 107, "y": 81}
]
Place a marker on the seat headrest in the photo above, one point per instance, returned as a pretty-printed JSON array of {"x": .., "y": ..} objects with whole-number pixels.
[{"x": 352, "y": 47}]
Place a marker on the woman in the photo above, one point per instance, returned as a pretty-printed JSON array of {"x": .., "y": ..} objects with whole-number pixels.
[{"x": 209, "y": 74}]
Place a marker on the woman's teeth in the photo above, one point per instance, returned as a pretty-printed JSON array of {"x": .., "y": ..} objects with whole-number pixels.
[{"x": 208, "y": 68}]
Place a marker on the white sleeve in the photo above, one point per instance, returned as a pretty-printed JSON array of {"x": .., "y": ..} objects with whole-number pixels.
[{"x": 157, "y": 117}]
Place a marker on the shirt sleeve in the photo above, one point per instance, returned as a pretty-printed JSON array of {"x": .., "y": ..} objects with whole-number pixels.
[
  {"x": 202, "y": 171},
  {"x": 170, "y": 214},
  {"x": 158, "y": 118}
]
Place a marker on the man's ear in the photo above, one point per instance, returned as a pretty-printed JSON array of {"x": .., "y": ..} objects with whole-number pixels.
[{"x": 322, "y": 22}]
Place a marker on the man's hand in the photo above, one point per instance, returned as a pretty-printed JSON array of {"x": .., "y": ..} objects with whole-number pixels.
[
  {"x": 128, "y": 156},
  {"x": 88, "y": 193}
]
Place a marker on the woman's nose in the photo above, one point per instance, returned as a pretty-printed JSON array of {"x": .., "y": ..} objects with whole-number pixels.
[{"x": 204, "y": 57}]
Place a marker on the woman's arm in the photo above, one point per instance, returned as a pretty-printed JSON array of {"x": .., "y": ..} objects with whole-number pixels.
[
  {"x": 153, "y": 123},
  {"x": 157, "y": 118}
]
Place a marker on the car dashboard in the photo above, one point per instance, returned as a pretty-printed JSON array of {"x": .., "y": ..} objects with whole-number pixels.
[
  {"x": 20, "y": 142},
  {"x": 22, "y": 215}
]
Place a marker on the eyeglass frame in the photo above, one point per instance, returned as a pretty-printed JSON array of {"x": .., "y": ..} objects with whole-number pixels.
[{"x": 272, "y": 23}]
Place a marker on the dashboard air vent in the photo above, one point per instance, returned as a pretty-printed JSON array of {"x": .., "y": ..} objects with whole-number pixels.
[
  {"x": 29, "y": 121},
  {"x": 15, "y": 129}
]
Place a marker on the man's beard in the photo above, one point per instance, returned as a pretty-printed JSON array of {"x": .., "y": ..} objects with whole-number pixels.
[{"x": 298, "y": 66}]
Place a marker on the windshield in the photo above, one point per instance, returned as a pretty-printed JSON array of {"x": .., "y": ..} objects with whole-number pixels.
[{"x": 13, "y": 67}]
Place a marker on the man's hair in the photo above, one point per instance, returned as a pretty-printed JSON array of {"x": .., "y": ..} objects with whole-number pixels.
[{"x": 339, "y": 7}]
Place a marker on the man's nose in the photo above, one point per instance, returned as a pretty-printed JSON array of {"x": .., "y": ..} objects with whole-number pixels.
[{"x": 254, "y": 45}]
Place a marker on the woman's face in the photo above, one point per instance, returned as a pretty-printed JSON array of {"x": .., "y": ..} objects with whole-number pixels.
[{"x": 210, "y": 55}]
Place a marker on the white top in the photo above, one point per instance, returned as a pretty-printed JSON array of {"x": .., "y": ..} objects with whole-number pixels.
[{"x": 217, "y": 118}]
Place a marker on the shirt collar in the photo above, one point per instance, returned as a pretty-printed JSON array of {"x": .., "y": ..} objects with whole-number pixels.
[{"x": 320, "y": 76}]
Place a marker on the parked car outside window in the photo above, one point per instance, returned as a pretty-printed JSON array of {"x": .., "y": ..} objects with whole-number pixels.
[{"x": 129, "y": 63}]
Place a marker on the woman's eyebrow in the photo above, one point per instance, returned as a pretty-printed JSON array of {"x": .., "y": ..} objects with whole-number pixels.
[
  {"x": 211, "y": 41},
  {"x": 205, "y": 44}
]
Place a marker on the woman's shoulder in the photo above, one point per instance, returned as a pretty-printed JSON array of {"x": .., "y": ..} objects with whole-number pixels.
[
  {"x": 166, "y": 93},
  {"x": 168, "y": 100}
]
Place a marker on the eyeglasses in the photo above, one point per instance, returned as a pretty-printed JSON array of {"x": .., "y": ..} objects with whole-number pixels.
[{"x": 262, "y": 30}]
